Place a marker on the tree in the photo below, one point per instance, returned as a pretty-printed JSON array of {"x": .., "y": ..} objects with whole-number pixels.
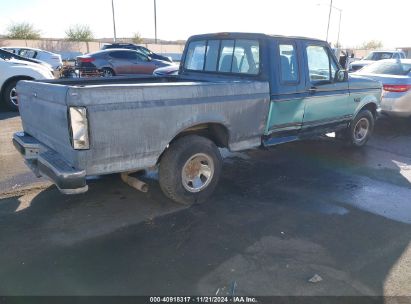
[
  {"x": 371, "y": 45},
  {"x": 79, "y": 32},
  {"x": 22, "y": 31},
  {"x": 137, "y": 38}
]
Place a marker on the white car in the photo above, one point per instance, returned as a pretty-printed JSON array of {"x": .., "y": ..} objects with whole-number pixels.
[
  {"x": 13, "y": 70},
  {"x": 51, "y": 58}
]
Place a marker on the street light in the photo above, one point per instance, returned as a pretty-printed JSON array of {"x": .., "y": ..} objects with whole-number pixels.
[
  {"x": 114, "y": 20},
  {"x": 329, "y": 18},
  {"x": 155, "y": 21}
]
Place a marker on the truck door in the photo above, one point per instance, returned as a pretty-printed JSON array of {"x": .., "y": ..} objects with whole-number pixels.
[
  {"x": 287, "y": 88},
  {"x": 327, "y": 96}
]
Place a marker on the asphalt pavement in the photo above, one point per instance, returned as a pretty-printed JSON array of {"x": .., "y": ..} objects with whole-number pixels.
[{"x": 279, "y": 217}]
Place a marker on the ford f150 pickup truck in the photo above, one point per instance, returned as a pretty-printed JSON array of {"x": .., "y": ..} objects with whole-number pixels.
[{"x": 233, "y": 90}]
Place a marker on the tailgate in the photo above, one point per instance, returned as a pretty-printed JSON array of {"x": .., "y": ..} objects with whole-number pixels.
[{"x": 43, "y": 111}]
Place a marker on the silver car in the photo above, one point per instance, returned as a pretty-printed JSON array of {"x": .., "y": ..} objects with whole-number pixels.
[
  {"x": 373, "y": 57},
  {"x": 395, "y": 75}
]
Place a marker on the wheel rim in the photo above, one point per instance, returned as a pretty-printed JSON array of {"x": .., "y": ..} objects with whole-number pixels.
[
  {"x": 107, "y": 73},
  {"x": 13, "y": 97},
  {"x": 198, "y": 171},
  {"x": 361, "y": 129}
]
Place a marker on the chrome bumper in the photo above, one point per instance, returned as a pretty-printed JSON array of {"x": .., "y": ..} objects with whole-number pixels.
[{"x": 48, "y": 163}]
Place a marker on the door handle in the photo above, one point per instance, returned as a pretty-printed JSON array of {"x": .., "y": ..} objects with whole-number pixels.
[{"x": 312, "y": 90}]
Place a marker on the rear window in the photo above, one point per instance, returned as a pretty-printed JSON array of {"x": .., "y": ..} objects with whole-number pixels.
[
  {"x": 389, "y": 68},
  {"x": 379, "y": 56},
  {"x": 237, "y": 56}
]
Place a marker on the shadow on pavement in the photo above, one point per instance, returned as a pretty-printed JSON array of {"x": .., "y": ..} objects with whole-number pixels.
[
  {"x": 278, "y": 217},
  {"x": 6, "y": 114}
]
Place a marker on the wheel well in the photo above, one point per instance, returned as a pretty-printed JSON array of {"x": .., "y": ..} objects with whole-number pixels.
[
  {"x": 218, "y": 133},
  {"x": 372, "y": 107},
  {"x": 12, "y": 79}
]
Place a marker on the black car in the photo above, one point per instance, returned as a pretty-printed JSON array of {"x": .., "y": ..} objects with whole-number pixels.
[{"x": 135, "y": 47}]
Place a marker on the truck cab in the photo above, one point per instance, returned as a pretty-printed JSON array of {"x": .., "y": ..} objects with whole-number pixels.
[{"x": 310, "y": 93}]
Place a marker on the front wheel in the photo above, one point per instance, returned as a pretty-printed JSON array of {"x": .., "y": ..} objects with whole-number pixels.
[
  {"x": 360, "y": 129},
  {"x": 10, "y": 96},
  {"x": 190, "y": 169}
]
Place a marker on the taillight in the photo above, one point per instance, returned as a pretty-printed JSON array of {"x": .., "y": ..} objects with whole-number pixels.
[
  {"x": 86, "y": 59},
  {"x": 396, "y": 87}
]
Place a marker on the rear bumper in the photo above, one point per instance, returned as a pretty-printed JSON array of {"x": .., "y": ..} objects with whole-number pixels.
[{"x": 48, "y": 163}]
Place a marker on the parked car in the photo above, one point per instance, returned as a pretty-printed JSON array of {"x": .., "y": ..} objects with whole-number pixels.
[
  {"x": 12, "y": 71},
  {"x": 234, "y": 90},
  {"x": 167, "y": 70},
  {"x": 135, "y": 47},
  {"x": 375, "y": 56},
  {"x": 51, "y": 58},
  {"x": 6, "y": 55},
  {"x": 114, "y": 62},
  {"x": 395, "y": 75}
]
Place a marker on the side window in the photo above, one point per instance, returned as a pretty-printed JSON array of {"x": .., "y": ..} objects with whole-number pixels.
[
  {"x": 28, "y": 53},
  {"x": 288, "y": 63},
  {"x": 140, "y": 57},
  {"x": 395, "y": 56},
  {"x": 195, "y": 55},
  {"x": 320, "y": 66},
  {"x": 119, "y": 55}
]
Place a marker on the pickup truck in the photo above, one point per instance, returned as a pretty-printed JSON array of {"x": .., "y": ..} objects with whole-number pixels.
[{"x": 233, "y": 90}]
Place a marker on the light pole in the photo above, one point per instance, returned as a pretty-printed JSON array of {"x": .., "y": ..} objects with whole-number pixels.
[
  {"x": 114, "y": 20},
  {"x": 329, "y": 19},
  {"x": 155, "y": 22},
  {"x": 339, "y": 25}
]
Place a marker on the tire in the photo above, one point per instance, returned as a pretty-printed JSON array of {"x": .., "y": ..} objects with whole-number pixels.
[
  {"x": 107, "y": 72},
  {"x": 360, "y": 129},
  {"x": 180, "y": 177},
  {"x": 8, "y": 92}
]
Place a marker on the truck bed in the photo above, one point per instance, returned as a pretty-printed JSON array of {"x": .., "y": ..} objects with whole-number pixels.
[{"x": 132, "y": 120}]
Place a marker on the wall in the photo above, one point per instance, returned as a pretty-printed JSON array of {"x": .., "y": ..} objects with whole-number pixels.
[{"x": 62, "y": 45}]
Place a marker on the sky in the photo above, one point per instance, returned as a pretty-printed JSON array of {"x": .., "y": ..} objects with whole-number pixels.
[{"x": 361, "y": 20}]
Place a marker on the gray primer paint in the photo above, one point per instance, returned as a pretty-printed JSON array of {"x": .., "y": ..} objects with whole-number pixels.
[{"x": 130, "y": 125}]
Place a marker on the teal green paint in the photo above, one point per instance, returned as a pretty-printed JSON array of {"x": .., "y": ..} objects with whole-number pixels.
[
  {"x": 324, "y": 107},
  {"x": 285, "y": 112},
  {"x": 267, "y": 125}
]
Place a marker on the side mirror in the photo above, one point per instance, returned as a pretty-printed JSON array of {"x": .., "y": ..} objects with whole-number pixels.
[
  {"x": 341, "y": 75},
  {"x": 149, "y": 58}
]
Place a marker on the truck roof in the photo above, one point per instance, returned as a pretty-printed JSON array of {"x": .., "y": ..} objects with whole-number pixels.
[{"x": 248, "y": 36}]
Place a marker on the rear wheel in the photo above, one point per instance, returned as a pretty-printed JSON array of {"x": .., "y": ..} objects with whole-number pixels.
[
  {"x": 190, "y": 169},
  {"x": 107, "y": 72},
  {"x": 10, "y": 96}
]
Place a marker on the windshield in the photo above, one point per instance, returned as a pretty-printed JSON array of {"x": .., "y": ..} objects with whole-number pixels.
[
  {"x": 378, "y": 56},
  {"x": 145, "y": 51},
  {"x": 390, "y": 68}
]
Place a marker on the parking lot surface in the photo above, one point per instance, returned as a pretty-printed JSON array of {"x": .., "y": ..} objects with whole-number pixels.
[{"x": 278, "y": 217}]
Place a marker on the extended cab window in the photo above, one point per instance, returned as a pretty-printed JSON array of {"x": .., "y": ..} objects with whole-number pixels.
[
  {"x": 224, "y": 56},
  {"x": 320, "y": 66},
  {"x": 288, "y": 63}
]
